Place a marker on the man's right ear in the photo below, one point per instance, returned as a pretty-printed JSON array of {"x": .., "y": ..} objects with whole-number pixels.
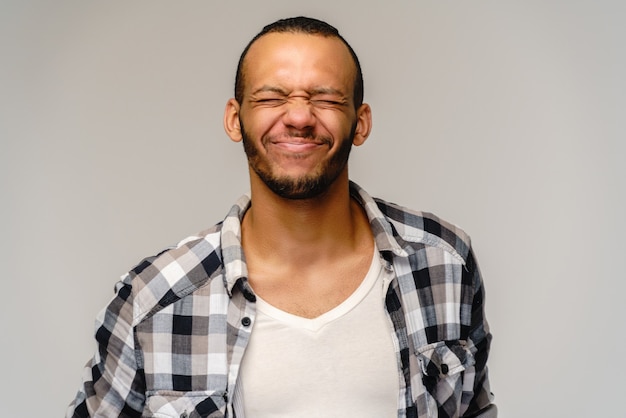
[{"x": 232, "y": 126}]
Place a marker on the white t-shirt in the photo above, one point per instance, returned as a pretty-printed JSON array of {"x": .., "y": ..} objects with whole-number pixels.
[{"x": 340, "y": 364}]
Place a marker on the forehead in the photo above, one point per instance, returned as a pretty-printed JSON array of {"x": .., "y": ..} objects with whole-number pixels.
[{"x": 299, "y": 59}]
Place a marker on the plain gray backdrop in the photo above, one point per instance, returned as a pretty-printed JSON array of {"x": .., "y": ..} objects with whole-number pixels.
[{"x": 504, "y": 117}]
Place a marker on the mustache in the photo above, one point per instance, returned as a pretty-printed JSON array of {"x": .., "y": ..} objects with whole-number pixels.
[{"x": 298, "y": 136}]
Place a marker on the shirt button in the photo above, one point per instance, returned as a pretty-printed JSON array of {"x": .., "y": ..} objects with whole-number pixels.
[
  {"x": 245, "y": 321},
  {"x": 184, "y": 415},
  {"x": 444, "y": 369}
]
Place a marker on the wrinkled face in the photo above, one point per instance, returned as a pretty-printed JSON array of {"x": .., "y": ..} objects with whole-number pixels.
[{"x": 297, "y": 118}]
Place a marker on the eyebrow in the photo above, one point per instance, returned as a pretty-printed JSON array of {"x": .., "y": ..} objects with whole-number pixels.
[
  {"x": 326, "y": 90},
  {"x": 313, "y": 92},
  {"x": 269, "y": 89}
]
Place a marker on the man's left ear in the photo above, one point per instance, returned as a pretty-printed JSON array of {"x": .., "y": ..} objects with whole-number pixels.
[{"x": 363, "y": 124}]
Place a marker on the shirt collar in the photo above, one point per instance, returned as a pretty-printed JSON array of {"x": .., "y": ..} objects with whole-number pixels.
[
  {"x": 235, "y": 268},
  {"x": 384, "y": 234}
]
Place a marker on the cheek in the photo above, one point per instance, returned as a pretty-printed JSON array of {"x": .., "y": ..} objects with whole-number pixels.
[
  {"x": 337, "y": 124},
  {"x": 260, "y": 123}
]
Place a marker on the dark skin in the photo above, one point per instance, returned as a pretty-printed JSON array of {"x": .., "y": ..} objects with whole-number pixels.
[{"x": 305, "y": 255}]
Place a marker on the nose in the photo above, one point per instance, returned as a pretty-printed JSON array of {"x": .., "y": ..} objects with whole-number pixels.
[{"x": 299, "y": 114}]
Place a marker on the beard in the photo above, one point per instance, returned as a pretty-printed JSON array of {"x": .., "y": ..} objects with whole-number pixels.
[{"x": 302, "y": 187}]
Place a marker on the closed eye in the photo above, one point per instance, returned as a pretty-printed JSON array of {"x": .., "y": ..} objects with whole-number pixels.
[
  {"x": 270, "y": 101},
  {"x": 327, "y": 103}
]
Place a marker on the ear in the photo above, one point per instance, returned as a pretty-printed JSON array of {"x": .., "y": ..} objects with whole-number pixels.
[
  {"x": 232, "y": 125},
  {"x": 363, "y": 124}
]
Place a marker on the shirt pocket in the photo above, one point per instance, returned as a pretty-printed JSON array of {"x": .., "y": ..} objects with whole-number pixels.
[
  {"x": 176, "y": 404},
  {"x": 443, "y": 366}
]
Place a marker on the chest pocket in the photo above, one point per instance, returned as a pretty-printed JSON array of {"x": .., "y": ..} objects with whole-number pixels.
[
  {"x": 174, "y": 404},
  {"x": 444, "y": 365}
]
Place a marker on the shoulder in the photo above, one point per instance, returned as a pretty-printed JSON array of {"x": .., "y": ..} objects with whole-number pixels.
[
  {"x": 419, "y": 227},
  {"x": 162, "y": 279}
]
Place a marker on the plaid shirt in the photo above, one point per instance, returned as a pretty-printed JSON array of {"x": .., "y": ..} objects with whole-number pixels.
[{"x": 172, "y": 339}]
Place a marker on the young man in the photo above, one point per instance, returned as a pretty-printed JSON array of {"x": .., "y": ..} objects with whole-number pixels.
[{"x": 311, "y": 298}]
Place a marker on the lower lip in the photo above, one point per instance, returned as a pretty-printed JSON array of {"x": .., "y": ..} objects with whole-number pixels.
[{"x": 297, "y": 147}]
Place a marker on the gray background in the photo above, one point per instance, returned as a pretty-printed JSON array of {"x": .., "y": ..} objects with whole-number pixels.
[{"x": 504, "y": 117}]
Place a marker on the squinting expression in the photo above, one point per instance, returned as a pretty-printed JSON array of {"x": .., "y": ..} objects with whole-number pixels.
[{"x": 297, "y": 119}]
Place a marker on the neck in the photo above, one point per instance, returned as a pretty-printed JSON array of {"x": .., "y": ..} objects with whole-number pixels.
[{"x": 304, "y": 230}]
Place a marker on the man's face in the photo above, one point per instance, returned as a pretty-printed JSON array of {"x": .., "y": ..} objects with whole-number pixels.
[{"x": 297, "y": 117}]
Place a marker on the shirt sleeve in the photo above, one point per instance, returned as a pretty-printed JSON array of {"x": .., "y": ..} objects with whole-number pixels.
[
  {"x": 113, "y": 383},
  {"x": 480, "y": 337}
]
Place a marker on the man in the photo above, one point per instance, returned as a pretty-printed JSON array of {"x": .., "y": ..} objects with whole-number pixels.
[{"x": 310, "y": 299}]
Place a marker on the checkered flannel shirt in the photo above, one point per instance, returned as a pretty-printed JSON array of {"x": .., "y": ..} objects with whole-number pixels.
[{"x": 171, "y": 341}]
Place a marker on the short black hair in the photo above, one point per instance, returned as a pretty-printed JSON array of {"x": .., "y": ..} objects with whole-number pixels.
[{"x": 305, "y": 25}]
